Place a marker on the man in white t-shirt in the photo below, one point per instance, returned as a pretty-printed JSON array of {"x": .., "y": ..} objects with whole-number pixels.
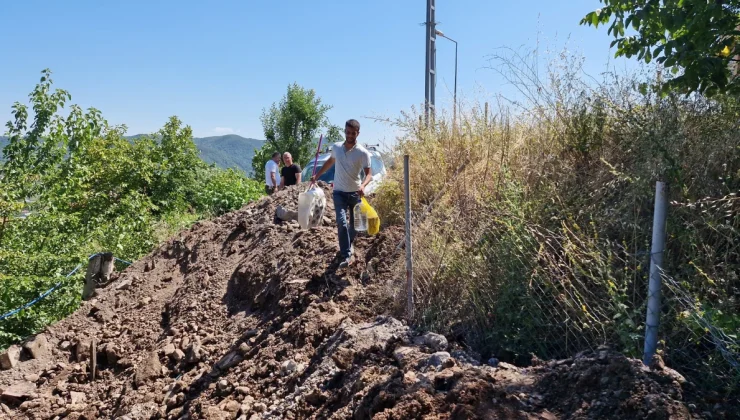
[
  {"x": 351, "y": 160},
  {"x": 272, "y": 173}
]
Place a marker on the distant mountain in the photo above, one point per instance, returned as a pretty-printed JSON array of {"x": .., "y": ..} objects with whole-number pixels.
[{"x": 229, "y": 151}]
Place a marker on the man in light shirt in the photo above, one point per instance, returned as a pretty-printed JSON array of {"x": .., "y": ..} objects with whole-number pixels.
[
  {"x": 272, "y": 174},
  {"x": 351, "y": 159}
]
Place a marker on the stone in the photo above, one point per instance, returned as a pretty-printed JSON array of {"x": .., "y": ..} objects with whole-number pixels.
[
  {"x": 178, "y": 355},
  {"x": 18, "y": 392},
  {"x": 65, "y": 345},
  {"x": 222, "y": 385},
  {"x": 229, "y": 360},
  {"x": 124, "y": 285},
  {"x": 493, "y": 361},
  {"x": 32, "y": 377},
  {"x": 82, "y": 350},
  {"x": 38, "y": 347},
  {"x": 438, "y": 359},
  {"x": 195, "y": 353},
  {"x": 10, "y": 357},
  {"x": 169, "y": 349},
  {"x": 232, "y": 406},
  {"x": 403, "y": 355},
  {"x": 243, "y": 348},
  {"x": 149, "y": 369},
  {"x": 288, "y": 367},
  {"x": 437, "y": 342},
  {"x": 243, "y": 390},
  {"x": 250, "y": 333},
  {"x": 77, "y": 397},
  {"x": 111, "y": 353}
]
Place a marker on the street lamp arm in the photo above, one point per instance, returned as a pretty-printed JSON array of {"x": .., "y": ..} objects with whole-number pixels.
[{"x": 439, "y": 33}]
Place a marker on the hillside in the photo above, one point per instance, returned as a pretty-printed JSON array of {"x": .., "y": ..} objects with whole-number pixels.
[
  {"x": 207, "y": 327},
  {"x": 229, "y": 151}
]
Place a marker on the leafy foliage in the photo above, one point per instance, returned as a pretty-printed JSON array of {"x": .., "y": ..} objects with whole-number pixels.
[
  {"x": 90, "y": 189},
  {"x": 292, "y": 126},
  {"x": 695, "y": 37}
]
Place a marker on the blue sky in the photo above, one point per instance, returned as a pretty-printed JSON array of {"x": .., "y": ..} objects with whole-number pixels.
[{"x": 217, "y": 64}]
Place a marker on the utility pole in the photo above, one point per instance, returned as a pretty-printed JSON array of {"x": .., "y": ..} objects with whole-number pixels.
[{"x": 430, "y": 71}]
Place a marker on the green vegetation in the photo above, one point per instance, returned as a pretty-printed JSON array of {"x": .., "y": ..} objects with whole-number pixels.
[
  {"x": 696, "y": 39},
  {"x": 90, "y": 189},
  {"x": 292, "y": 126},
  {"x": 541, "y": 243},
  {"x": 227, "y": 151}
]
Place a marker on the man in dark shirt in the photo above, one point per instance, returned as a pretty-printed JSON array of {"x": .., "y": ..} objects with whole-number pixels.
[{"x": 291, "y": 172}]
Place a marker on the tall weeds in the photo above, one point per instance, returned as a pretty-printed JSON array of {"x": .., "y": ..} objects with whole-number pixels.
[{"x": 532, "y": 222}]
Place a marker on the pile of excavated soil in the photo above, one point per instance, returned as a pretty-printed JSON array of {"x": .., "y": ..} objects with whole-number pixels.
[{"x": 245, "y": 317}]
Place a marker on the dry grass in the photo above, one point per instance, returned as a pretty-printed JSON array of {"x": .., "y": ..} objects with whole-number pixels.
[{"x": 532, "y": 223}]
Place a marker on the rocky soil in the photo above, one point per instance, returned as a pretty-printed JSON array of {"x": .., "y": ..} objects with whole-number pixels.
[{"x": 246, "y": 317}]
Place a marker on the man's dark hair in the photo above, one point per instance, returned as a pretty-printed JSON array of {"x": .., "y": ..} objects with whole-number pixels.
[
  {"x": 275, "y": 154},
  {"x": 352, "y": 123}
]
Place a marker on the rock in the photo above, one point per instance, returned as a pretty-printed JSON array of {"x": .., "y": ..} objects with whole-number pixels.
[
  {"x": 229, "y": 360},
  {"x": 9, "y": 358},
  {"x": 82, "y": 350},
  {"x": 250, "y": 333},
  {"x": 243, "y": 390},
  {"x": 259, "y": 407},
  {"x": 195, "y": 353},
  {"x": 65, "y": 345},
  {"x": 111, "y": 353},
  {"x": 18, "y": 392},
  {"x": 243, "y": 348},
  {"x": 223, "y": 385},
  {"x": 438, "y": 359},
  {"x": 169, "y": 349},
  {"x": 232, "y": 406},
  {"x": 144, "y": 301},
  {"x": 32, "y": 377},
  {"x": 177, "y": 356},
  {"x": 288, "y": 367},
  {"x": 403, "y": 355},
  {"x": 124, "y": 285},
  {"x": 38, "y": 347},
  {"x": 436, "y": 342},
  {"x": 148, "y": 370},
  {"x": 77, "y": 397},
  {"x": 493, "y": 361}
]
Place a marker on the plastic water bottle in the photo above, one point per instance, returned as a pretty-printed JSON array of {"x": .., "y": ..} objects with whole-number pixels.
[{"x": 360, "y": 219}]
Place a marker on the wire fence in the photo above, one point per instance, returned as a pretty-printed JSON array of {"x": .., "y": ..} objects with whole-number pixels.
[{"x": 516, "y": 290}]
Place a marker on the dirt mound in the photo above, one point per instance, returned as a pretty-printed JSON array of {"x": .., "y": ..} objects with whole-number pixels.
[{"x": 248, "y": 317}]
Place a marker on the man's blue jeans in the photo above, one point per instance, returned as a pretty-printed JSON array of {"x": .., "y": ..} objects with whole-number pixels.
[{"x": 344, "y": 207}]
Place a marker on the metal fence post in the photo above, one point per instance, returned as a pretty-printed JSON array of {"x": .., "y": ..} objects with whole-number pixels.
[
  {"x": 656, "y": 265},
  {"x": 409, "y": 262}
]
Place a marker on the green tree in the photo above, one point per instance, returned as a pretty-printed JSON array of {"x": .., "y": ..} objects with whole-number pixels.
[
  {"x": 695, "y": 39},
  {"x": 92, "y": 190},
  {"x": 291, "y": 126}
]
